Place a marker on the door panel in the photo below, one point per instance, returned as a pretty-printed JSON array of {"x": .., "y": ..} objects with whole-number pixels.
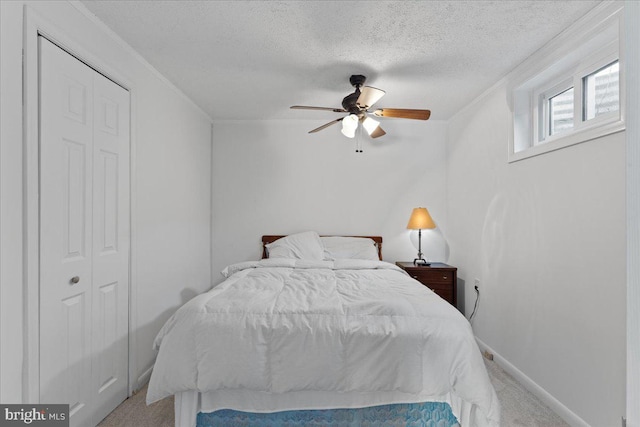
[
  {"x": 75, "y": 101},
  {"x": 75, "y": 200},
  {"x": 107, "y": 368},
  {"x": 75, "y": 333},
  {"x": 107, "y": 203}
]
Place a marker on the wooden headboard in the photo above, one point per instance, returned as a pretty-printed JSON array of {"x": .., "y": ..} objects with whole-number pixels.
[{"x": 269, "y": 239}]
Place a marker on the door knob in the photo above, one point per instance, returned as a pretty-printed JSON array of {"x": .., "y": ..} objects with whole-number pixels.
[{"x": 75, "y": 279}]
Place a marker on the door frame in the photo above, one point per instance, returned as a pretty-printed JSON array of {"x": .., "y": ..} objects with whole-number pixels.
[
  {"x": 632, "y": 62},
  {"x": 36, "y": 25}
]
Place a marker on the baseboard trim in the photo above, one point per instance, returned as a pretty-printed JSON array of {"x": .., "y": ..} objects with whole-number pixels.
[
  {"x": 565, "y": 413},
  {"x": 144, "y": 378}
]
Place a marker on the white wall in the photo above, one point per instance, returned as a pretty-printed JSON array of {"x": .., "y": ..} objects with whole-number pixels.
[
  {"x": 272, "y": 177},
  {"x": 11, "y": 322},
  {"x": 546, "y": 237},
  {"x": 171, "y": 186}
]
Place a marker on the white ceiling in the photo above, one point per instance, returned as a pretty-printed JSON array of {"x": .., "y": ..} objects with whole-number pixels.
[{"x": 254, "y": 59}]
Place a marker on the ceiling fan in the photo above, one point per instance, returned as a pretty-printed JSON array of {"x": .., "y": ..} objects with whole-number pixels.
[{"x": 357, "y": 104}]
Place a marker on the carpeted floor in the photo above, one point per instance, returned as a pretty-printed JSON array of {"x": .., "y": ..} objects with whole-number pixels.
[
  {"x": 519, "y": 407},
  {"x": 134, "y": 412}
]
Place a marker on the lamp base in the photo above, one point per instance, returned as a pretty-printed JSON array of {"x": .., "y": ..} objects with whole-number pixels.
[{"x": 421, "y": 261}]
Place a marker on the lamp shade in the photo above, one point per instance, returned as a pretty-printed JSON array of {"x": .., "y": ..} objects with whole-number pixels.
[{"x": 420, "y": 219}]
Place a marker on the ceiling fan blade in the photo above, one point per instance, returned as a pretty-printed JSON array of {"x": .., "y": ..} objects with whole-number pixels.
[
  {"x": 369, "y": 96},
  {"x": 305, "y": 107},
  {"x": 403, "y": 113},
  {"x": 378, "y": 132},
  {"x": 326, "y": 125}
]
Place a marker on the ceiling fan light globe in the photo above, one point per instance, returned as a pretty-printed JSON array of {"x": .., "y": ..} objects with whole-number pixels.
[
  {"x": 349, "y": 133},
  {"x": 370, "y": 125},
  {"x": 349, "y": 126}
]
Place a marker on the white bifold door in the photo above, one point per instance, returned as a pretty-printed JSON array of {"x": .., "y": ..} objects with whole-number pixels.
[{"x": 84, "y": 237}]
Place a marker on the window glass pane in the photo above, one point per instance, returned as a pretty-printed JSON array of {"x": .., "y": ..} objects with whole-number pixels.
[
  {"x": 561, "y": 112},
  {"x": 601, "y": 91}
]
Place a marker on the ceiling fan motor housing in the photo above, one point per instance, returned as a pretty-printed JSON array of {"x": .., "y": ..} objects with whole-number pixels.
[
  {"x": 349, "y": 102},
  {"x": 357, "y": 80}
]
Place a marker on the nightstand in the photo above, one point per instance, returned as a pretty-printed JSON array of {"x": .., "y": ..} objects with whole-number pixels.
[{"x": 440, "y": 278}]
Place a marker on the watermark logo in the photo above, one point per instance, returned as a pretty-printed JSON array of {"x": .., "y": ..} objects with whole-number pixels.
[{"x": 34, "y": 415}]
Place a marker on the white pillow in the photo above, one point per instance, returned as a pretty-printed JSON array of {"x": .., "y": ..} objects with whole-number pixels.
[
  {"x": 337, "y": 247},
  {"x": 305, "y": 245}
]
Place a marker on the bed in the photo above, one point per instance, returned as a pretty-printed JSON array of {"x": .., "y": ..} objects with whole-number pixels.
[{"x": 321, "y": 331}]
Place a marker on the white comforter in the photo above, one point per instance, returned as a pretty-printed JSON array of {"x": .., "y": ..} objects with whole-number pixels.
[{"x": 286, "y": 334}]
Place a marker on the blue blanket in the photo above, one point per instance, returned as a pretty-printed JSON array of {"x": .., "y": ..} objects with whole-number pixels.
[{"x": 429, "y": 414}]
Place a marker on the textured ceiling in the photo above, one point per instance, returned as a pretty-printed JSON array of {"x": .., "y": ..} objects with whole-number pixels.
[{"x": 253, "y": 59}]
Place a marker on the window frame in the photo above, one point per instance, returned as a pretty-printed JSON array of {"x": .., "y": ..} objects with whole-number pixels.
[{"x": 591, "y": 44}]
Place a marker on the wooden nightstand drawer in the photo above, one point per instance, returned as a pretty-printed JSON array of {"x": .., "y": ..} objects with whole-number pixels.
[
  {"x": 430, "y": 276},
  {"x": 440, "y": 278},
  {"x": 444, "y": 294},
  {"x": 443, "y": 287}
]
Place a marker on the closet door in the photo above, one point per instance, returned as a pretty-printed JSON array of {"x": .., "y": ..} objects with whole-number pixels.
[
  {"x": 110, "y": 244},
  {"x": 84, "y": 237}
]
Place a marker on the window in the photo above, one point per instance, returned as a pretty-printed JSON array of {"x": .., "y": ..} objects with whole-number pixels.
[
  {"x": 569, "y": 91},
  {"x": 602, "y": 91},
  {"x": 560, "y": 112}
]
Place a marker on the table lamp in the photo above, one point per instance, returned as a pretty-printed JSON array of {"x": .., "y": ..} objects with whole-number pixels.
[{"x": 420, "y": 219}]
